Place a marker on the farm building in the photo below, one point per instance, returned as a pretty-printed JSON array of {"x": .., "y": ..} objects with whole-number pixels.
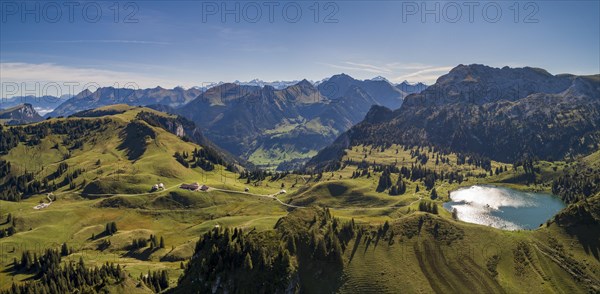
[
  {"x": 191, "y": 187},
  {"x": 157, "y": 187}
]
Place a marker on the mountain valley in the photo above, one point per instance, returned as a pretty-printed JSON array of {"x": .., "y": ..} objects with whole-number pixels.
[{"x": 174, "y": 199}]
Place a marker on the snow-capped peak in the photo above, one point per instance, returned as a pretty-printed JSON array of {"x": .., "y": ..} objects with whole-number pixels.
[
  {"x": 255, "y": 82},
  {"x": 379, "y": 78}
]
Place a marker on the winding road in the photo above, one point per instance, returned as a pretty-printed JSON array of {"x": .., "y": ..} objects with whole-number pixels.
[{"x": 271, "y": 196}]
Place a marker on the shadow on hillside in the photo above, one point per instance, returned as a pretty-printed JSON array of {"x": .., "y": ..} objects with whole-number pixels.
[
  {"x": 100, "y": 236},
  {"x": 10, "y": 270},
  {"x": 321, "y": 277},
  {"x": 140, "y": 254},
  {"x": 356, "y": 245},
  {"x": 318, "y": 274},
  {"x": 336, "y": 190},
  {"x": 589, "y": 237},
  {"x": 133, "y": 138},
  {"x": 13, "y": 271}
]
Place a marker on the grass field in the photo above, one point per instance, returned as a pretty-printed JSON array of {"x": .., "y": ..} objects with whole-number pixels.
[{"x": 415, "y": 261}]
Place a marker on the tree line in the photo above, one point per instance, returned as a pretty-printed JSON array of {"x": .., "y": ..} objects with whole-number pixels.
[
  {"x": 49, "y": 276},
  {"x": 32, "y": 135},
  {"x": 414, "y": 173},
  {"x": 233, "y": 260},
  {"x": 577, "y": 184}
]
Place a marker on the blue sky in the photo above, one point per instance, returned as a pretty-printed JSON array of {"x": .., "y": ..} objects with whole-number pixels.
[{"x": 188, "y": 43}]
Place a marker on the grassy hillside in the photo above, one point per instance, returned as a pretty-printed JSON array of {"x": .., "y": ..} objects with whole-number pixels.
[
  {"x": 458, "y": 257},
  {"x": 119, "y": 164},
  {"x": 419, "y": 253},
  {"x": 121, "y": 157}
]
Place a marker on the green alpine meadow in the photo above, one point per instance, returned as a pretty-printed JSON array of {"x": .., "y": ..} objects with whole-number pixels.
[{"x": 299, "y": 147}]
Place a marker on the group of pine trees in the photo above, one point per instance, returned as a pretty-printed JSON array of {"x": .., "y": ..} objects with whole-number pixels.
[
  {"x": 138, "y": 243},
  {"x": 32, "y": 134},
  {"x": 182, "y": 158},
  {"x": 577, "y": 184},
  {"x": 399, "y": 188},
  {"x": 361, "y": 173},
  {"x": 324, "y": 241},
  {"x": 65, "y": 250},
  {"x": 240, "y": 261},
  {"x": 49, "y": 276},
  {"x": 11, "y": 230},
  {"x": 414, "y": 173},
  {"x": 14, "y": 187},
  {"x": 197, "y": 160},
  {"x": 111, "y": 228},
  {"x": 17, "y": 187},
  {"x": 255, "y": 175},
  {"x": 421, "y": 156},
  {"x": 433, "y": 195},
  {"x": 474, "y": 159},
  {"x": 69, "y": 178},
  {"x": 157, "y": 281},
  {"x": 428, "y": 206},
  {"x": 153, "y": 241},
  {"x": 385, "y": 181},
  {"x": 267, "y": 262}
]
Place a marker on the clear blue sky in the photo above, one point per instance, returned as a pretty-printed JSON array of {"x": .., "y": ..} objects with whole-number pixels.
[{"x": 181, "y": 43}]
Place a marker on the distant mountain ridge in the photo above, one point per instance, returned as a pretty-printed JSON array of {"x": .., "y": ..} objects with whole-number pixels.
[
  {"x": 502, "y": 113},
  {"x": 110, "y": 96},
  {"x": 411, "y": 88},
  {"x": 20, "y": 114},
  {"x": 42, "y": 105},
  {"x": 47, "y": 104},
  {"x": 269, "y": 125},
  {"x": 255, "y": 82}
]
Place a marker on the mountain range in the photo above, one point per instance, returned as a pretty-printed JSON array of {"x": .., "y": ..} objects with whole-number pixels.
[
  {"x": 271, "y": 124},
  {"x": 185, "y": 216},
  {"x": 42, "y": 105},
  {"x": 110, "y": 95},
  {"x": 505, "y": 114},
  {"x": 19, "y": 114},
  {"x": 271, "y": 127},
  {"x": 255, "y": 82}
]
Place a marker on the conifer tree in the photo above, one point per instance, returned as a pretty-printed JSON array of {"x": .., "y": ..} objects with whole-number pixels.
[{"x": 248, "y": 262}]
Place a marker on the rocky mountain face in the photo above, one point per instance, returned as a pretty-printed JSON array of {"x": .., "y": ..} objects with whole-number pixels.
[
  {"x": 266, "y": 125},
  {"x": 381, "y": 91},
  {"x": 272, "y": 127},
  {"x": 109, "y": 96},
  {"x": 20, "y": 114},
  {"x": 411, "y": 88},
  {"x": 255, "y": 82},
  {"x": 505, "y": 114},
  {"x": 42, "y": 105}
]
